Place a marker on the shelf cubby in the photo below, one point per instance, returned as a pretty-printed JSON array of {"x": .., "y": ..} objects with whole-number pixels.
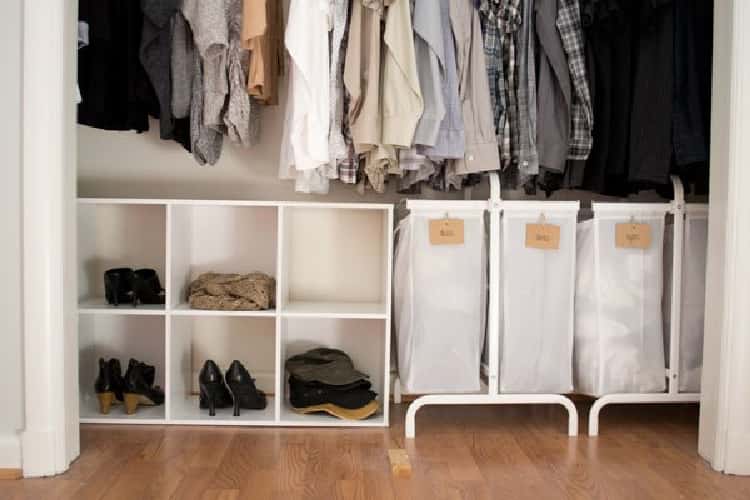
[
  {"x": 112, "y": 234},
  {"x": 364, "y": 340},
  {"x": 335, "y": 261},
  {"x": 195, "y": 339},
  {"x": 122, "y": 337},
  {"x": 222, "y": 239}
]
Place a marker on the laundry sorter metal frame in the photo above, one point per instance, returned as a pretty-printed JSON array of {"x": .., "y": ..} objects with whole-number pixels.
[
  {"x": 494, "y": 206},
  {"x": 673, "y": 395}
]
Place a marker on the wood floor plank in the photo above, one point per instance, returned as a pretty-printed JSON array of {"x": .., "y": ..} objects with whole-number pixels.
[{"x": 460, "y": 453}]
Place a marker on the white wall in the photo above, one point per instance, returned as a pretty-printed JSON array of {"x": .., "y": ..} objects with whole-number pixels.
[{"x": 11, "y": 360}]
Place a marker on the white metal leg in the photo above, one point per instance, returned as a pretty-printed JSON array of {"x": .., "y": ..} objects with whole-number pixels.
[
  {"x": 658, "y": 398},
  {"x": 397, "y": 391},
  {"x": 486, "y": 399}
]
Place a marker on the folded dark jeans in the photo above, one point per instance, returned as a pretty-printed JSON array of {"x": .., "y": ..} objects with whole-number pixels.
[{"x": 350, "y": 396}]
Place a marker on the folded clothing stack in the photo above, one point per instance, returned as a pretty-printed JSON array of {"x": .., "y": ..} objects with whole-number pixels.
[
  {"x": 325, "y": 380},
  {"x": 232, "y": 292}
]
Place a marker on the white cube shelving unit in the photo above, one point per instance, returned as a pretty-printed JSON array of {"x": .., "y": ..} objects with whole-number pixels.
[{"x": 332, "y": 263}]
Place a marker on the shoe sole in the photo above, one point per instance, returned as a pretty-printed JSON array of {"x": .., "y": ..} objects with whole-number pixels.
[{"x": 344, "y": 413}]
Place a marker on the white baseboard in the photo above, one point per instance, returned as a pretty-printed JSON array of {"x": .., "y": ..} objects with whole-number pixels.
[{"x": 10, "y": 451}]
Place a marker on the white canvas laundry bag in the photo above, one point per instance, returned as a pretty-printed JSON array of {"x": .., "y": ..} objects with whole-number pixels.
[
  {"x": 619, "y": 343},
  {"x": 440, "y": 302},
  {"x": 538, "y": 254}
]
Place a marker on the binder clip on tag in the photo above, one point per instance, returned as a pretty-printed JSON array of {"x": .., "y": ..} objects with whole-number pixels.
[
  {"x": 447, "y": 231},
  {"x": 542, "y": 235},
  {"x": 633, "y": 235}
]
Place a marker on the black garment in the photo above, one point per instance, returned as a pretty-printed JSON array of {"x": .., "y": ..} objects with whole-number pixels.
[
  {"x": 116, "y": 92},
  {"x": 156, "y": 58},
  {"x": 350, "y": 396},
  {"x": 651, "y": 120},
  {"x": 693, "y": 46},
  {"x": 609, "y": 28}
]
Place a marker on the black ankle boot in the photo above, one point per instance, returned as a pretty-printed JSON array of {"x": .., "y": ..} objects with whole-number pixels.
[
  {"x": 242, "y": 386},
  {"x": 147, "y": 287},
  {"x": 214, "y": 393},
  {"x": 118, "y": 286},
  {"x": 109, "y": 384},
  {"x": 139, "y": 387}
]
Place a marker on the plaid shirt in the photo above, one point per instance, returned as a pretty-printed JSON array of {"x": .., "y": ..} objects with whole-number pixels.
[
  {"x": 493, "y": 59},
  {"x": 528, "y": 162},
  {"x": 509, "y": 20},
  {"x": 582, "y": 116},
  {"x": 501, "y": 20}
]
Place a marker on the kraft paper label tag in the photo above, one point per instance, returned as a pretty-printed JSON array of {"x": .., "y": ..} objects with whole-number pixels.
[
  {"x": 543, "y": 236},
  {"x": 632, "y": 235},
  {"x": 447, "y": 232}
]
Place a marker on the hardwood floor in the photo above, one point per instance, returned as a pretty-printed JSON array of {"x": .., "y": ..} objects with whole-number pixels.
[{"x": 643, "y": 452}]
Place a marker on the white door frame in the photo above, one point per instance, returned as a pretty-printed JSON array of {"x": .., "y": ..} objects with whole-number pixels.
[
  {"x": 725, "y": 403},
  {"x": 51, "y": 441}
]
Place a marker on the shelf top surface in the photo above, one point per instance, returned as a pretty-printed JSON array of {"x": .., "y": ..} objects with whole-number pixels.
[{"x": 234, "y": 203}]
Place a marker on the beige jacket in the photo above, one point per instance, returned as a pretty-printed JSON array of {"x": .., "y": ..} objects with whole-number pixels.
[
  {"x": 481, "y": 143},
  {"x": 262, "y": 35},
  {"x": 402, "y": 96},
  {"x": 362, "y": 75}
]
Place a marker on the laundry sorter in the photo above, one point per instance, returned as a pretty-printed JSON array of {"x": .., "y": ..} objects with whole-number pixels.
[{"x": 566, "y": 309}]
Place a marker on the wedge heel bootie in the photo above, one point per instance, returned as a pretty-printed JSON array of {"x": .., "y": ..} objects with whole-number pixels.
[
  {"x": 109, "y": 385},
  {"x": 139, "y": 388}
]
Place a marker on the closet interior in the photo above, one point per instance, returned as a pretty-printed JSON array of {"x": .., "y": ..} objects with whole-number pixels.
[{"x": 565, "y": 104}]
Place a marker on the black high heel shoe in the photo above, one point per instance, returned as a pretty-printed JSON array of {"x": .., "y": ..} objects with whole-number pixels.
[
  {"x": 139, "y": 387},
  {"x": 118, "y": 286},
  {"x": 214, "y": 393},
  {"x": 147, "y": 287},
  {"x": 109, "y": 384},
  {"x": 244, "y": 392}
]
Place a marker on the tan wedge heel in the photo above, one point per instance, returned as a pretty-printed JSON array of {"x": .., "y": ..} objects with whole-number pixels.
[
  {"x": 131, "y": 402},
  {"x": 105, "y": 401}
]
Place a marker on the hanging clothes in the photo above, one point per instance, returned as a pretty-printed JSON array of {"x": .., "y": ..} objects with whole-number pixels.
[
  {"x": 83, "y": 40},
  {"x": 348, "y": 167},
  {"x": 208, "y": 21},
  {"x": 431, "y": 64},
  {"x": 581, "y": 111},
  {"x": 362, "y": 73},
  {"x": 402, "y": 96},
  {"x": 116, "y": 92},
  {"x": 241, "y": 115},
  {"x": 693, "y": 42},
  {"x": 650, "y": 153},
  {"x": 528, "y": 161},
  {"x": 337, "y": 147},
  {"x": 182, "y": 62},
  {"x": 481, "y": 148},
  {"x": 155, "y": 56},
  {"x": 451, "y": 140},
  {"x": 609, "y": 30},
  {"x": 205, "y": 142},
  {"x": 305, "y": 146},
  {"x": 510, "y": 20},
  {"x": 554, "y": 92},
  {"x": 262, "y": 35}
]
